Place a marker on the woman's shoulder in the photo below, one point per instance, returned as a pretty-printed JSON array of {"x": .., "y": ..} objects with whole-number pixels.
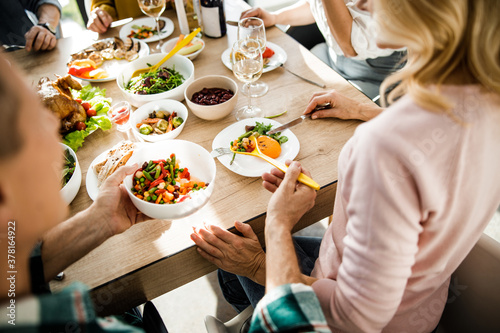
[{"x": 406, "y": 124}]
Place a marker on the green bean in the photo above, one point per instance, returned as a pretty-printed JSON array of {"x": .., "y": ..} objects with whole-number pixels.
[
  {"x": 246, "y": 135},
  {"x": 158, "y": 172},
  {"x": 148, "y": 176},
  {"x": 151, "y": 191}
]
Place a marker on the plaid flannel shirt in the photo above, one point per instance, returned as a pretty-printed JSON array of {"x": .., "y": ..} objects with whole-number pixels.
[
  {"x": 289, "y": 308},
  {"x": 71, "y": 310}
]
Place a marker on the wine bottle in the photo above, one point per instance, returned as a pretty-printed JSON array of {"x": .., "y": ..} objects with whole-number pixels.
[{"x": 212, "y": 16}]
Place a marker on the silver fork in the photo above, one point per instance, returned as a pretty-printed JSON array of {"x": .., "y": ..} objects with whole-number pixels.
[{"x": 220, "y": 151}]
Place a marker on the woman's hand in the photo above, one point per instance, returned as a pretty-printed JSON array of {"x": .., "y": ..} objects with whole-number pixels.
[
  {"x": 341, "y": 107},
  {"x": 268, "y": 17},
  {"x": 99, "y": 20},
  {"x": 113, "y": 206},
  {"x": 240, "y": 255},
  {"x": 291, "y": 199}
]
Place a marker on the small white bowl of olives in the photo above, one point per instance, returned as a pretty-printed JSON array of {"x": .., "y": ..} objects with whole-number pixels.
[{"x": 159, "y": 120}]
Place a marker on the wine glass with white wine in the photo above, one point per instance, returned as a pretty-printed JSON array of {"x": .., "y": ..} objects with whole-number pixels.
[
  {"x": 154, "y": 9},
  {"x": 253, "y": 28},
  {"x": 246, "y": 58}
]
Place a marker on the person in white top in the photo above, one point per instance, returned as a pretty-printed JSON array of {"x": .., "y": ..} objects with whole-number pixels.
[{"x": 349, "y": 32}]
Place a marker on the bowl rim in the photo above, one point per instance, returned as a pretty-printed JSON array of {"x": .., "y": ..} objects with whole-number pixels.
[
  {"x": 188, "y": 100},
  {"x": 121, "y": 77},
  {"x": 133, "y": 116},
  {"x": 178, "y": 204}
]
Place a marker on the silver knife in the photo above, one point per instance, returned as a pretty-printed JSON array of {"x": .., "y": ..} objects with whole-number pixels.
[
  {"x": 115, "y": 24},
  {"x": 299, "y": 119}
]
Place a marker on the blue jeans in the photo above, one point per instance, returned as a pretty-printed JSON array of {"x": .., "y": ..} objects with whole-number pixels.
[
  {"x": 241, "y": 292},
  {"x": 367, "y": 74}
]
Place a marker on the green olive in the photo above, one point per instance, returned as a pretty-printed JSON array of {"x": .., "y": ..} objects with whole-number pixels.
[{"x": 145, "y": 129}]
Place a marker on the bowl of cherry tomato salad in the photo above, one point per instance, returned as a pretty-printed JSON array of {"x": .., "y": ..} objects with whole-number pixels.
[{"x": 174, "y": 180}]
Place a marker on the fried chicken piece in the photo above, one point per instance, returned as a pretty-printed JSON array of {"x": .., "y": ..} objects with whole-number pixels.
[{"x": 56, "y": 96}]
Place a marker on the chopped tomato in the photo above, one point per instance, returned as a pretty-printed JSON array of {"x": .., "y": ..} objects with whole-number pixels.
[
  {"x": 268, "y": 53},
  {"x": 79, "y": 100},
  {"x": 185, "y": 174}
]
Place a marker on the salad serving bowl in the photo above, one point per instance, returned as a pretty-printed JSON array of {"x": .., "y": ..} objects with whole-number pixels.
[
  {"x": 177, "y": 62},
  {"x": 189, "y": 155},
  {"x": 69, "y": 191}
]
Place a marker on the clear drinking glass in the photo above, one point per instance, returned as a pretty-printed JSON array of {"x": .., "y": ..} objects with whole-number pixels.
[
  {"x": 154, "y": 9},
  {"x": 246, "y": 58},
  {"x": 253, "y": 28},
  {"x": 119, "y": 114}
]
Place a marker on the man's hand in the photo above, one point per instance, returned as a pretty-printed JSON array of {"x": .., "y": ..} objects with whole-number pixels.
[
  {"x": 268, "y": 18},
  {"x": 241, "y": 255},
  {"x": 99, "y": 21},
  {"x": 341, "y": 107},
  {"x": 291, "y": 199},
  {"x": 113, "y": 206},
  {"x": 39, "y": 38}
]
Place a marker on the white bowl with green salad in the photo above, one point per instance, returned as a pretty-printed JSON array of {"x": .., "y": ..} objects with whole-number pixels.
[
  {"x": 169, "y": 82},
  {"x": 71, "y": 175}
]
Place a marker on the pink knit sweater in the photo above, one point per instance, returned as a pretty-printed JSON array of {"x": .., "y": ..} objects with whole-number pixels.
[{"x": 416, "y": 190}]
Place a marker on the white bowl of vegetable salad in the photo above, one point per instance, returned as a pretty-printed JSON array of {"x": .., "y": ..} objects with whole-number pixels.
[
  {"x": 156, "y": 193},
  {"x": 159, "y": 120},
  {"x": 71, "y": 175},
  {"x": 169, "y": 82}
]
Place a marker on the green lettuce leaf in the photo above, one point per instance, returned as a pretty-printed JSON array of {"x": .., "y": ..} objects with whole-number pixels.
[
  {"x": 75, "y": 139},
  {"x": 97, "y": 99}
]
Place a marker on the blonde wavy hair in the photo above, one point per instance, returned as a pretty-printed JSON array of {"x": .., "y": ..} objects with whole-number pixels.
[{"x": 443, "y": 37}]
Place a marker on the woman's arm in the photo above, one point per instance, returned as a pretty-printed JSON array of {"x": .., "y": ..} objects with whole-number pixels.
[
  {"x": 340, "y": 22},
  {"x": 341, "y": 107},
  {"x": 381, "y": 201},
  {"x": 296, "y": 14}
]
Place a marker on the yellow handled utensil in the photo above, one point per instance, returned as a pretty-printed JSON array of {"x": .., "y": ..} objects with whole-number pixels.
[
  {"x": 283, "y": 167},
  {"x": 179, "y": 46}
]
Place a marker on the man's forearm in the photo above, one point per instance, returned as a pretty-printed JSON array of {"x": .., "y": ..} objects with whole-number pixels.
[
  {"x": 296, "y": 14},
  {"x": 282, "y": 266},
  {"x": 69, "y": 241},
  {"x": 48, "y": 13},
  {"x": 340, "y": 22}
]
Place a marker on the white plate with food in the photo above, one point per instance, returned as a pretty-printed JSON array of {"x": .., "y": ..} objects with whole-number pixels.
[
  {"x": 147, "y": 24},
  {"x": 251, "y": 166},
  {"x": 107, "y": 58},
  {"x": 279, "y": 57},
  {"x": 105, "y": 164}
]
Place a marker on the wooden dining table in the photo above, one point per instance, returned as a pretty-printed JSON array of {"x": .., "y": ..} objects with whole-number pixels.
[{"x": 157, "y": 256}]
